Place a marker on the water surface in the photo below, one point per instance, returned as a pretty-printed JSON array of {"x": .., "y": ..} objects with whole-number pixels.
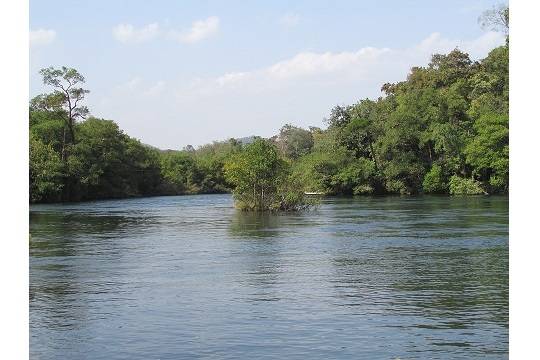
[{"x": 189, "y": 277}]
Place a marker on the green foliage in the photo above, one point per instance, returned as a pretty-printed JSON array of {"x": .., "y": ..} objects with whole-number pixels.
[
  {"x": 211, "y": 159},
  {"x": 292, "y": 195},
  {"x": 107, "y": 163},
  {"x": 359, "y": 133},
  {"x": 256, "y": 173},
  {"x": 434, "y": 181},
  {"x": 437, "y": 116},
  {"x": 340, "y": 116},
  {"x": 318, "y": 169},
  {"x": 488, "y": 151},
  {"x": 48, "y": 127},
  {"x": 259, "y": 176},
  {"x": 180, "y": 171},
  {"x": 315, "y": 172},
  {"x": 103, "y": 163},
  {"x": 403, "y": 174},
  {"x": 355, "y": 178},
  {"x": 294, "y": 142},
  {"x": 67, "y": 96},
  {"x": 45, "y": 172},
  {"x": 464, "y": 186}
]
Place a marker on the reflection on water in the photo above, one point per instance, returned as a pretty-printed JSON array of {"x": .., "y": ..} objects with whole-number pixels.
[
  {"x": 190, "y": 277},
  {"x": 255, "y": 224}
]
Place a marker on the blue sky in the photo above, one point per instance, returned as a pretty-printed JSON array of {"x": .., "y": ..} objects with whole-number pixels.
[{"x": 173, "y": 73}]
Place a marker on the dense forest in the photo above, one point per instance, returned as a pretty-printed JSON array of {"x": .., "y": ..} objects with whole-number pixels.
[{"x": 444, "y": 130}]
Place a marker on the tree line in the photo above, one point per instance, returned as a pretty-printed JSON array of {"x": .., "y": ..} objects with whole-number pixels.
[{"x": 443, "y": 130}]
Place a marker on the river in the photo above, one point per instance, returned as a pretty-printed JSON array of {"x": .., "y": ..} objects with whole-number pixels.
[{"x": 189, "y": 277}]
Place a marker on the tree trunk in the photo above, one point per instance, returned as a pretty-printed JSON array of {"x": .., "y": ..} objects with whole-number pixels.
[
  {"x": 70, "y": 118},
  {"x": 71, "y": 131}
]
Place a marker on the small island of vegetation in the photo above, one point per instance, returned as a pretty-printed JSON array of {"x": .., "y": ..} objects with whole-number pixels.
[
  {"x": 444, "y": 130},
  {"x": 262, "y": 179}
]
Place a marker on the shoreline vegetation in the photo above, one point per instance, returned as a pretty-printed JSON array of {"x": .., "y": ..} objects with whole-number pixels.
[{"x": 443, "y": 130}]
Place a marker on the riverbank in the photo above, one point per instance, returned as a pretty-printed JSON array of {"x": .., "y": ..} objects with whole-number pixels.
[{"x": 321, "y": 196}]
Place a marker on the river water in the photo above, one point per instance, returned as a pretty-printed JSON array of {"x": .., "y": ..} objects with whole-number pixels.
[{"x": 189, "y": 277}]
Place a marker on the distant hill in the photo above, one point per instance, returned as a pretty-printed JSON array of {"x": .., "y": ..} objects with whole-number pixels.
[
  {"x": 247, "y": 140},
  {"x": 244, "y": 141}
]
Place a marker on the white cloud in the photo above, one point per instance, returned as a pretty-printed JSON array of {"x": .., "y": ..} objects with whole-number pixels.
[
  {"x": 199, "y": 30},
  {"x": 42, "y": 37},
  {"x": 478, "y": 47},
  {"x": 137, "y": 86},
  {"x": 308, "y": 63},
  {"x": 130, "y": 85},
  {"x": 127, "y": 33},
  {"x": 305, "y": 66},
  {"x": 289, "y": 20},
  {"x": 481, "y": 46},
  {"x": 155, "y": 89},
  {"x": 231, "y": 78}
]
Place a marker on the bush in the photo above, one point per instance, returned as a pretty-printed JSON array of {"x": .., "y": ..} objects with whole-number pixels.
[
  {"x": 434, "y": 181},
  {"x": 465, "y": 186},
  {"x": 396, "y": 187},
  {"x": 292, "y": 197},
  {"x": 261, "y": 180},
  {"x": 45, "y": 172},
  {"x": 365, "y": 189},
  {"x": 355, "y": 178}
]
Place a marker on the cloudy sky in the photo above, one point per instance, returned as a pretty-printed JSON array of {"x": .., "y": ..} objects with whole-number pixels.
[{"x": 173, "y": 73}]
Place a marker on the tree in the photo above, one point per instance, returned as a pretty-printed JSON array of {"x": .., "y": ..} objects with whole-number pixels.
[
  {"x": 106, "y": 163},
  {"x": 496, "y": 18},
  {"x": 358, "y": 135},
  {"x": 143, "y": 167},
  {"x": 356, "y": 178},
  {"x": 488, "y": 151},
  {"x": 294, "y": 141},
  {"x": 434, "y": 181},
  {"x": 211, "y": 159},
  {"x": 45, "y": 172},
  {"x": 68, "y": 96},
  {"x": 180, "y": 170},
  {"x": 451, "y": 67},
  {"x": 261, "y": 179},
  {"x": 339, "y": 116},
  {"x": 48, "y": 127}
]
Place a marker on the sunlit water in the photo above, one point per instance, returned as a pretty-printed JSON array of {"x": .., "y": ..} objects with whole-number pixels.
[{"x": 191, "y": 278}]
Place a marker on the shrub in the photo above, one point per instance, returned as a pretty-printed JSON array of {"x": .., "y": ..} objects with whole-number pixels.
[
  {"x": 365, "y": 189},
  {"x": 465, "y": 186},
  {"x": 261, "y": 180},
  {"x": 434, "y": 181},
  {"x": 45, "y": 172}
]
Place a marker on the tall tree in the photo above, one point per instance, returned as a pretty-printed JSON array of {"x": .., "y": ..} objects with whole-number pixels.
[
  {"x": 496, "y": 18},
  {"x": 294, "y": 141},
  {"x": 67, "y": 94}
]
